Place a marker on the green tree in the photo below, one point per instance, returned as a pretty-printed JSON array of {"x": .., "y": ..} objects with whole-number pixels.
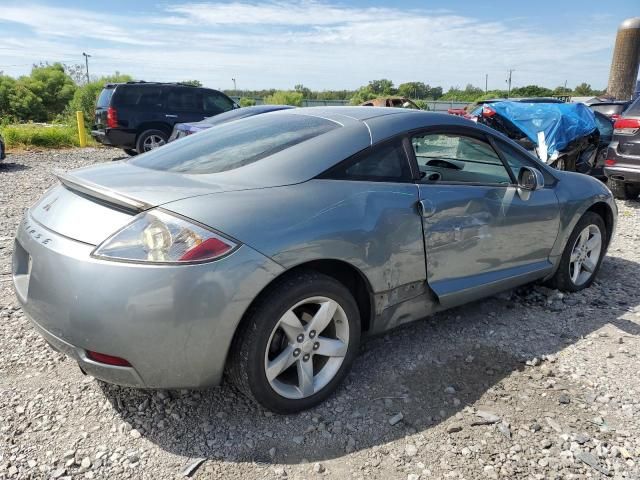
[
  {"x": 282, "y": 97},
  {"x": 413, "y": 90},
  {"x": 193, "y": 83},
  {"x": 306, "y": 93},
  {"x": 583, "y": 90},
  {"x": 382, "y": 87},
  {"x": 561, "y": 91},
  {"x": 469, "y": 94},
  {"x": 247, "y": 102},
  {"x": 7, "y": 87},
  {"x": 531, "y": 91},
  {"x": 24, "y": 104},
  {"x": 434, "y": 93},
  {"x": 52, "y": 86}
]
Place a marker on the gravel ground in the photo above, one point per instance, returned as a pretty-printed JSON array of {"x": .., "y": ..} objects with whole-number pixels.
[{"x": 530, "y": 384}]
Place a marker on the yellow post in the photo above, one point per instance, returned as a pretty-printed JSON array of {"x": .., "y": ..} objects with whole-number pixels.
[{"x": 82, "y": 134}]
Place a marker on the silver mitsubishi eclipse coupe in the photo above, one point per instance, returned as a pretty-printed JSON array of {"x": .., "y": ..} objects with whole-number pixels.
[{"x": 264, "y": 249}]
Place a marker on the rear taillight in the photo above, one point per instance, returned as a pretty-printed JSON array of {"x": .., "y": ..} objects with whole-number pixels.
[
  {"x": 615, "y": 117},
  {"x": 159, "y": 237},
  {"x": 488, "y": 112},
  {"x": 626, "y": 126},
  {"x": 107, "y": 359},
  {"x": 112, "y": 118},
  {"x": 609, "y": 162}
]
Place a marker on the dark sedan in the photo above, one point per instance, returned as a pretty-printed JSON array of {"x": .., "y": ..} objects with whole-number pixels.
[{"x": 184, "y": 129}]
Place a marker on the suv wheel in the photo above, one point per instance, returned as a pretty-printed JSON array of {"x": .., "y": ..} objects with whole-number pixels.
[
  {"x": 297, "y": 343},
  {"x": 582, "y": 254},
  {"x": 623, "y": 191},
  {"x": 150, "y": 140}
]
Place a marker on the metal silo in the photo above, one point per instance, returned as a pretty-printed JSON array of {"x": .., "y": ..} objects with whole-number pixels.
[{"x": 626, "y": 57}]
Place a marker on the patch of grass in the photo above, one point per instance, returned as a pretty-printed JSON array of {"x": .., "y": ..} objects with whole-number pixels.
[{"x": 24, "y": 136}]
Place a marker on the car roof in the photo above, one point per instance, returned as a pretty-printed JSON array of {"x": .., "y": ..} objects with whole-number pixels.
[{"x": 382, "y": 122}]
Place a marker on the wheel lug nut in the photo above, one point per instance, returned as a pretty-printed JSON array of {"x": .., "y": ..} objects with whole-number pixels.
[
  {"x": 296, "y": 352},
  {"x": 306, "y": 357},
  {"x": 312, "y": 334},
  {"x": 300, "y": 338},
  {"x": 316, "y": 346}
]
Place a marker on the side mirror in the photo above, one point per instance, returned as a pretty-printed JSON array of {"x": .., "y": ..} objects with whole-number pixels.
[{"x": 530, "y": 179}]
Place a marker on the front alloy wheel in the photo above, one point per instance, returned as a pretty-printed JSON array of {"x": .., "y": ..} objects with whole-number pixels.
[
  {"x": 582, "y": 254},
  {"x": 585, "y": 255},
  {"x": 297, "y": 343}
]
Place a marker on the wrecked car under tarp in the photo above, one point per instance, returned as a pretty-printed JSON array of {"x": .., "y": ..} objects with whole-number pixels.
[{"x": 564, "y": 135}]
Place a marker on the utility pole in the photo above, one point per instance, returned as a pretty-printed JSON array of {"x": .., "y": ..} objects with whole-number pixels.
[
  {"x": 511, "y": 70},
  {"x": 86, "y": 62},
  {"x": 235, "y": 90},
  {"x": 564, "y": 91},
  {"x": 486, "y": 83}
]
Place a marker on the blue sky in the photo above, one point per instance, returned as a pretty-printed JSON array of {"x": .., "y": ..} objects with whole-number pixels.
[{"x": 321, "y": 44}]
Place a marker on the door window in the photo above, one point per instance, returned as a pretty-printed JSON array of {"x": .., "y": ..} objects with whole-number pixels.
[
  {"x": 386, "y": 162},
  {"x": 215, "y": 103},
  {"x": 454, "y": 158},
  {"x": 516, "y": 160}
]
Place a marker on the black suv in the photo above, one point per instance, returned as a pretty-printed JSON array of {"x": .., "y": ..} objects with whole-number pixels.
[
  {"x": 139, "y": 116},
  {"x": 622, "y": 165}
]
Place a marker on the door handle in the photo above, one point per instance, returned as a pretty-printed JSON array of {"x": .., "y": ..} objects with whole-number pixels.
[
  {"x": 426, "y": 208},
  {"x": 171, "y": 116}
]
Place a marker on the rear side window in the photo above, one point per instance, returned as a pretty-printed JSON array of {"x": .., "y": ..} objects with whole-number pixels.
[
  {"x": 184, "y": 100},
  {"x": 138, "y": 96},
  {"x": 235, "y": 144},
  {"x": 382, "y": 163},
  {"x": 104, "y": 98},
  {"x": 215, "y": 103}
]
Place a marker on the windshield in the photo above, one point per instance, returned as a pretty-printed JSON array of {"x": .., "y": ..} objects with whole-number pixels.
[{"x": 235, "y": 144}]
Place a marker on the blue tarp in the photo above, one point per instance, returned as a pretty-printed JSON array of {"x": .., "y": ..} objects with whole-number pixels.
[{"x": 561, "y": 122}]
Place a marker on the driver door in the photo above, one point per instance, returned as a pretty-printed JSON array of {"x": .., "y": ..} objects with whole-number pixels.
[{"x": 482, "y": 234}]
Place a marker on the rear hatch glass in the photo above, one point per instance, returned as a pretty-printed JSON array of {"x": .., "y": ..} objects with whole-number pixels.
[
  {"x": 236, "y": 144},
  {"x": 105, "y": 97},
  {"x": 634, "y": 109},
  {"x": 102, "y": 104}
]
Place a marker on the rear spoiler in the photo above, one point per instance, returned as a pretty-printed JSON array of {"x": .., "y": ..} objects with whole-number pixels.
[{"x": 100, "y": 193}]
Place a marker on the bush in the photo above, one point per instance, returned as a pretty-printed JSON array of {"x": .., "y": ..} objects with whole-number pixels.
[
  {"x": 422, "y": 104},
  {"x": 282, "y": 97},
  {"x": 32, "y": 135},
  {"x": 247, "y": 102}
]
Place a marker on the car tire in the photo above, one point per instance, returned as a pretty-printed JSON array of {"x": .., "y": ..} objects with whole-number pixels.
[
  {"x": 150, "y": 140},
  {"x": 130, "y": 151},
  {"x": 588, "y": 239},
  {"x": 306, "y": 375},
  {"x": 623, "y": 191}
]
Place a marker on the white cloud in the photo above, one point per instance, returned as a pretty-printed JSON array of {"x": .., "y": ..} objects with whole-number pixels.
[{"x": 323, "y": 45}]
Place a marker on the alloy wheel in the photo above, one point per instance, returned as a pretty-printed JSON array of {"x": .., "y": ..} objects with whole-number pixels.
[
  {"x": 153, "y": 141},
  {"x": 307, "y": 347},
  {"x": 585, "y": 255}
]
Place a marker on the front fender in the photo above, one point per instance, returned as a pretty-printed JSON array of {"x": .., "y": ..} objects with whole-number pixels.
[{"x": 577, "y": 194}]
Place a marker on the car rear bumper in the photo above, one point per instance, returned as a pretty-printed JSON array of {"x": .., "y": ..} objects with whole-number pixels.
[
  {"x": 623, "y": 173},
  {"x": 173, "y": 324},
  {"x": 115, "y": 137}
]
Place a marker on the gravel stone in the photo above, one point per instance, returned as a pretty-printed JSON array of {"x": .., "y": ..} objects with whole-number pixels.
[{"x": 514, "y": 356}]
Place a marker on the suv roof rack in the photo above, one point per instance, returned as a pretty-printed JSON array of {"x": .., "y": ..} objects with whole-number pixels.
[{"x": 142, "y": 82}]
